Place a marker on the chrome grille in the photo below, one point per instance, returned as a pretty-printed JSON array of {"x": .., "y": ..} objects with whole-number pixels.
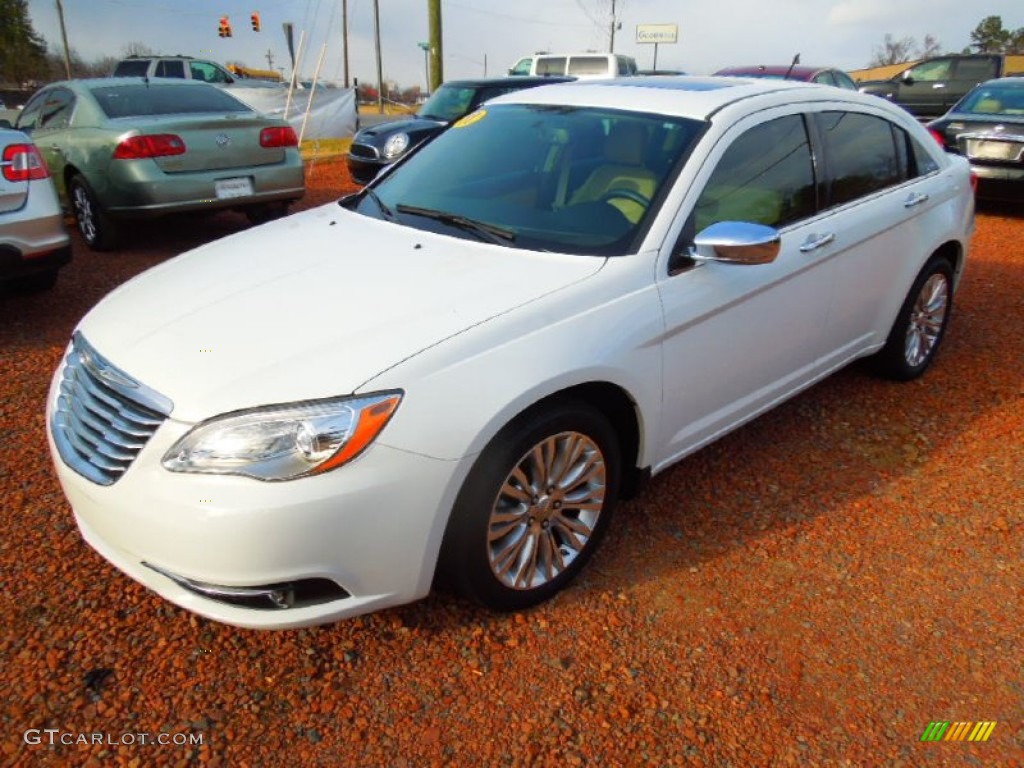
[{"x": 102, "y": 416}]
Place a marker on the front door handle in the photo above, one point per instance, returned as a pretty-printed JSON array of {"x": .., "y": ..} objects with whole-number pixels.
[
  {"x": 813, "y": 242},
  {"x": 914, "y": 199},
  {"x": 939, "y": 85}
]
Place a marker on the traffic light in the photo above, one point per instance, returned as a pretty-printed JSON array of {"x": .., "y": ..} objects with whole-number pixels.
[
  {"x": 255, "y": 19},
  {"x": 224, "y": 27}
]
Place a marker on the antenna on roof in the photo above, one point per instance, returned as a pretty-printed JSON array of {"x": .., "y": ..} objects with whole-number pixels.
[{"x": 796, "y": 60}]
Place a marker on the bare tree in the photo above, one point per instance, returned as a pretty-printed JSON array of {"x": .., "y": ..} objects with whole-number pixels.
[
  {"x": 893, "y": 51},
  {"x": 136, "y": 48},
  {"x": 930, "y": 47}
]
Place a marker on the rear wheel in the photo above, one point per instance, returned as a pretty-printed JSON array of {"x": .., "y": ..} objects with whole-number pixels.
[
  {"x": 94, "y": 223},
  {"x": 534, "y": 507},
  {"x": 921, "y": 323}
]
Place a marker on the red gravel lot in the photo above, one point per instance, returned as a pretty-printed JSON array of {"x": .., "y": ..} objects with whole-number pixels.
[{"x": 814, "y": 589}]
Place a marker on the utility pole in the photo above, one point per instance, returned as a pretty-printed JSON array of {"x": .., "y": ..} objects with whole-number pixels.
[
  {"x": 380, "y": 68},
  {"x": 436, "y": 46},
  {"x": 344, "y": 38},
  {"x": 64, "y": 37},
  {"x": 270, "y": 59},
  {"x": 611, "y": 36}
]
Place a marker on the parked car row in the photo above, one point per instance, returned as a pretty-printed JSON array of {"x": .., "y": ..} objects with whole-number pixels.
[{"x": 121, "y": 148}]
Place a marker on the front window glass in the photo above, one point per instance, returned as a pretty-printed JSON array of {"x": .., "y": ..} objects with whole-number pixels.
[
  {"x": 931, "y": 70},
  {"x": 766, "y": 177},
  {"x": 863, "y": 154},
  {"x": 447, "y": 103},
  {"x": 571, "y": 180},
  {"x": 208, "y": 73},
  {"x": 166, "y": 99},
  {"x": 522, "y": 67}
]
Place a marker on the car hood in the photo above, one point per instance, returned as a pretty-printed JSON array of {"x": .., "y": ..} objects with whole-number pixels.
[
  {"x": 310, "y": 306},
  {"x": 414, "y": 126}
]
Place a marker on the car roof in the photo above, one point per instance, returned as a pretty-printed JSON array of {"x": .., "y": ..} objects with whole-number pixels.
[
  {"x": 686, "y": 96},
  {"x": 799, "y": 72},
  {"x": 106, "y": 82},
  {"x": 523, "y": 80}
]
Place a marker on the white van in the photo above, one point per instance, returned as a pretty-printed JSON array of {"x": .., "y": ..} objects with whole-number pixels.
[{"x": 584, "y": 66}]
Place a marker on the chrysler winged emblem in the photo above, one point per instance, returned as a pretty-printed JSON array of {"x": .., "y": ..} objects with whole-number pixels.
[{"x": 223, "y": 140}]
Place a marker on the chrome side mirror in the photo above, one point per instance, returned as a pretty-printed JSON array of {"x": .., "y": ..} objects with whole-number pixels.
[{"x": 737, "y": 242}]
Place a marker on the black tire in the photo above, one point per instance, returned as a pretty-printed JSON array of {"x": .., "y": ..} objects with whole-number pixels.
[
  {"x": 920, "y": 325},
  {"x": 94, "y": 224},
  {"x": 264, "y": 212},
  {"x": 548, "y": 530}
]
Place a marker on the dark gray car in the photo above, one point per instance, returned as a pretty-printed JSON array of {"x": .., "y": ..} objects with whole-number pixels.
[{"x": 376, "y": 147}]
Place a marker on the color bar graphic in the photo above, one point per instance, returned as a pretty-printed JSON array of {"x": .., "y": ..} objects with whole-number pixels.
[{"x": 959, "y": 731}]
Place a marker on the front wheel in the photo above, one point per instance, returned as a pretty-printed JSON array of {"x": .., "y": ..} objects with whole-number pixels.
[
  {"x": 534, "y": 507},
  {"x": 921, "y": 323}
]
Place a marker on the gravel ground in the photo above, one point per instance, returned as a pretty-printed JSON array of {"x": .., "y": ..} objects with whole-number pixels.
[{"x": 812, "y": 590}]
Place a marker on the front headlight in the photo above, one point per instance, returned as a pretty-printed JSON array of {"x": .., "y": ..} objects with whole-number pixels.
[
  {"x": 282, "y": 442},
  {"x": 396, "y": 145}
]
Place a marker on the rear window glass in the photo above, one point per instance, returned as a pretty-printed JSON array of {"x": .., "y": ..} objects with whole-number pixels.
[
  {"x": 153, "y": 99},
  {"x": 588, "y": 65},
  {"x": 131, "y": 68},
  {"x": 551, "y": 66},
  {"x": 170, "y": 69}
]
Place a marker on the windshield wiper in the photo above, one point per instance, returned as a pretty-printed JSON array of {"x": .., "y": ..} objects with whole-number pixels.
[
  {"x": 387, "y": 212},
  {"x": 495, "y": 234}
]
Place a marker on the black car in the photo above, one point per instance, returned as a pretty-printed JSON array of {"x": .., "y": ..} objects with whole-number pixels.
[
  {"x": 378, "y": 146},
  {"x": 987, "y": 127}
]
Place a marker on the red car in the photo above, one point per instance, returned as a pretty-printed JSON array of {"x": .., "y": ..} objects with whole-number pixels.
[{"x": 808, "y": 74}]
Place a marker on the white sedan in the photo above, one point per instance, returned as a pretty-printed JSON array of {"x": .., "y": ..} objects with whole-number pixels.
[{"x": 454, "y": 375}]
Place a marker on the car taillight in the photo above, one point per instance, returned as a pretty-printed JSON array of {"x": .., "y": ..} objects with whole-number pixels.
[
  {"x": 22, "y": 162},
  {"x": 156, "y": 145},
  {"x": 279, "y": 136},
  {"x": 974, "y": 183},
  {"x": 938, "y": 137}
]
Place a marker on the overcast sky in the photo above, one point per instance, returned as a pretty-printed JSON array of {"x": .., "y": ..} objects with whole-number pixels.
[{"x": 488, "y": 36}]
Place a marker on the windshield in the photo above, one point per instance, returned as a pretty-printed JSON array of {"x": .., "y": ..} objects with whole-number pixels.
[
  {"x": 449, "y": 102},
  {"x": 572, "y": 180}
]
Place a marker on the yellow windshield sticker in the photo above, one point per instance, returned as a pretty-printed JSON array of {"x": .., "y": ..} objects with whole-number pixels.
[{"x": 471, "y": 118}]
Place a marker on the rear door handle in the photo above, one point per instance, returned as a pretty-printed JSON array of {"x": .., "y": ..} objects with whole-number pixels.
[
  {"x": 914, "y": 199},
  {"x": 939, "y": 85},
  {"x": 813, "y": 242}
]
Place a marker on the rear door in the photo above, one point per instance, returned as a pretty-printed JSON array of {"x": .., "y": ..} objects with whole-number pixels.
[{"x": 880, "y": 189}]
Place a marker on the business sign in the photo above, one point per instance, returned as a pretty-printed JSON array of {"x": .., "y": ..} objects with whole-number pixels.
[{"x": 657, "y": 33}]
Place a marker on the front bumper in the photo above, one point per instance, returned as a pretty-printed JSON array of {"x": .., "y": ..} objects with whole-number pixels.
[{"x": 372, "y": 528}]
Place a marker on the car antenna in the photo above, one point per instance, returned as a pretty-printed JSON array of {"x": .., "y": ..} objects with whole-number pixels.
[{"x": 796, "y": 60}]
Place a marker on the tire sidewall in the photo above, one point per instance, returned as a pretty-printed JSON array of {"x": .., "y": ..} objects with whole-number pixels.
[
  {"x": 103, "y": 234},
  {"x": 464, "y": 564},
  {"x": 893, "y": 360}
]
